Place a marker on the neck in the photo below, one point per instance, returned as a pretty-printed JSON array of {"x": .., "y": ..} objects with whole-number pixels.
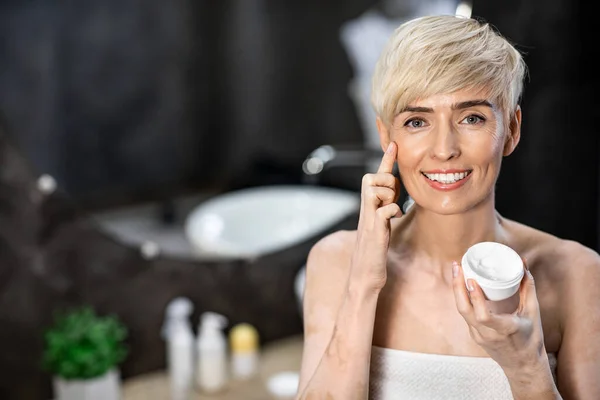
[{"x": 445, "y": 238}]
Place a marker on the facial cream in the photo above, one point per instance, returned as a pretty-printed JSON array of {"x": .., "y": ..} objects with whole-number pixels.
[{"x": 497, "y": 269}]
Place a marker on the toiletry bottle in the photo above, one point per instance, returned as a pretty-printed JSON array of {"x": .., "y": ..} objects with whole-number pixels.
[
  {"x": 244, "y": 343},
  {"x": 211, "y": 346},
  {"x": 177, "y": 332}
]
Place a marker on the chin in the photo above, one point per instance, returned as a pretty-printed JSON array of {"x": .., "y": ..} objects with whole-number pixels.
[{"x": 446, "y": 207}]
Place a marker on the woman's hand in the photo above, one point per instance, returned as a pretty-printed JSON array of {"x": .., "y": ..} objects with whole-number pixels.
[
  {"x": 379, "y": 194},
  {"x": 515, "y": 341}
]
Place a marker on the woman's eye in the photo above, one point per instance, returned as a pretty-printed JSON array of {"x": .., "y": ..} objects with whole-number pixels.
[
  {"x": 415, "y": 123},
  {"x": 473, "y": 119}
]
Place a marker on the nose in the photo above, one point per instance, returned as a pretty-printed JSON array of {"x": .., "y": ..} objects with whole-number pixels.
[{"x": 445, "y": 144}]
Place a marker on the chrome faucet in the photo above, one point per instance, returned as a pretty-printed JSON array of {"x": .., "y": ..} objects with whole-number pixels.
[{"x": 327, "y": 156}]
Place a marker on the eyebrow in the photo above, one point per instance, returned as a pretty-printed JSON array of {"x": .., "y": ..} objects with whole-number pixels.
[{"x": 457, "y": 106}]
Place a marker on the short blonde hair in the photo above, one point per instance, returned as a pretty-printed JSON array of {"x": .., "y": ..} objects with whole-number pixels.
[{"x": 442, "y": 54}]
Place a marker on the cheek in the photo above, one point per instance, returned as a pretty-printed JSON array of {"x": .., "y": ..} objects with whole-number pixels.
[
  {"x": 498, "y": 138},
  {"x": 485, "y": 146},
  {"x": 408, "y": 156}
]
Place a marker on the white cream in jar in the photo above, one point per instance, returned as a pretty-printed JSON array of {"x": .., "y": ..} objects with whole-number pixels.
[{"x": 497, "y": 269}]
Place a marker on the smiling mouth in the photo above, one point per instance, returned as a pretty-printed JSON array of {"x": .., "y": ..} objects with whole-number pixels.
[{"x": 447, "y": 178}]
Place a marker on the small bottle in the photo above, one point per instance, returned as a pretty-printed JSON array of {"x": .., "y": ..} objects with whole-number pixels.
[
  {"x": 244, "y": 343},
  {"x": 211, "y": 346},
  {"x": 177, "y": 332}
]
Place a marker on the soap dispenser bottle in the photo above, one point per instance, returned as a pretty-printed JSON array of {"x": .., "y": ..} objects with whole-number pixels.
[
  {"x": 177, "y": 332},
  {"x": 244, "y": 342},
  {"x": 211, "y": 346}
]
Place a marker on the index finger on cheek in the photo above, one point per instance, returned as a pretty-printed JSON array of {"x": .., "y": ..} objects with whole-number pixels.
[{"x": 388, "y": 159}]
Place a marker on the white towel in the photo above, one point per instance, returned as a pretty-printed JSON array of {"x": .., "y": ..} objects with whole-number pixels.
[{"x": 398, "y": 374}]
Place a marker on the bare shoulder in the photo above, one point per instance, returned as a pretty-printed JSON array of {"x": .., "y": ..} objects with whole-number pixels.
[
  {"x": 573, "y": 267},
  {"x": 563, "y": 269},
  {"x": 548, "y": 253},
  {"x": 328, "y": 265},
  {"x": 327, "y": 270},
  {"x": 551, "y": 255},
  {"x": 574, "y": 256},
  {"x": 329, "y": 253}
]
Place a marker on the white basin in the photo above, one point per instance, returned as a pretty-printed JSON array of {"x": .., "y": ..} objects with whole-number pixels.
[{"x": 260, "y": 220}]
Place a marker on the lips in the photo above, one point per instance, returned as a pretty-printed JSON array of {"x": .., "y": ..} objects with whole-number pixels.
[{"x": 446, "y": 180}]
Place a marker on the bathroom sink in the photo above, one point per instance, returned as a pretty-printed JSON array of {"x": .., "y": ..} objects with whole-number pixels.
[{"x": 251, "y": 222}]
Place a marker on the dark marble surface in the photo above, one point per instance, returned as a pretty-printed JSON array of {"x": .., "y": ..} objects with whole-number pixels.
[{"x": 52, "y": 256}]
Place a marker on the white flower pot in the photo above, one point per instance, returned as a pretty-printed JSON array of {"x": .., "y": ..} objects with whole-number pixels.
[{"x": 105, "y": 387}]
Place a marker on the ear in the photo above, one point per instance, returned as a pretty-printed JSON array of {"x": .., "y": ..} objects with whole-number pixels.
[
  {"x": 513, "y": 133},
  {"x": 384, "y": 134}
]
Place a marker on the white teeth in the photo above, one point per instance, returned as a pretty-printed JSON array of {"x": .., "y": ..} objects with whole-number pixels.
[{"x": 447, "y": 178}]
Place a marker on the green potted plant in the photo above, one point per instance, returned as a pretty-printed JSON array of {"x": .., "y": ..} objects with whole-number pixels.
[{"x": 82, "y": 351}]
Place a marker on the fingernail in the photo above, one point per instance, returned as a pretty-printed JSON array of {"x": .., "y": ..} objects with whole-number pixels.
[
  {"x": 528, "y": 272},
  {"x": 470, "y": 285},
  {"x": 389, "y": 149},
  {"x": 454, "y": 269}
]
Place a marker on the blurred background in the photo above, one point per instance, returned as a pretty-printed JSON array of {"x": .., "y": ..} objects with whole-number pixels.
[{"x": 198, "y": 148}]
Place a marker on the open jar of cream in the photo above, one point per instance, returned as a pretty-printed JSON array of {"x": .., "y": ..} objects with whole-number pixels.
[{"x": 497, "y": 269}]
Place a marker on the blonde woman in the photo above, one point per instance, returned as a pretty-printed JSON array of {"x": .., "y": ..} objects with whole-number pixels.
[{"x": 386, "y": 310}]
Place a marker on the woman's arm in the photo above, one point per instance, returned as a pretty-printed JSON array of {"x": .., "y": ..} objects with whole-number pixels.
[
  {"x": 533, "y": 380},
  {"x": 578, "y": 370},
  {"x": 338, "y": 327},
  {"x": 578, "y": 367},
  {"x": 337, "y": 348}
]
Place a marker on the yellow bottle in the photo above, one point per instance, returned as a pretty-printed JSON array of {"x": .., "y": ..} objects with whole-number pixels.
[{"x": 244, "y": 346}]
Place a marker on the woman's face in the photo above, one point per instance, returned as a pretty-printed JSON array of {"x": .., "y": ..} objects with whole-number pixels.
[{"x": 450, "y": 148}]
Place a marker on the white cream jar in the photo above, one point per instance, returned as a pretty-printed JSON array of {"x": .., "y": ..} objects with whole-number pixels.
[{"x": 497, "y": 269}]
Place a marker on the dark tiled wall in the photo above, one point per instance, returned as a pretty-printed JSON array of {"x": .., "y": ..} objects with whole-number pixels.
[
  {"x": 537, "y": 185},
  {"x": 124, "y": 98}
]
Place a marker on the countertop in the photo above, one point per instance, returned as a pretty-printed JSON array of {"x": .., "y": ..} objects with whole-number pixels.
[{"x": 280, "y": 356}]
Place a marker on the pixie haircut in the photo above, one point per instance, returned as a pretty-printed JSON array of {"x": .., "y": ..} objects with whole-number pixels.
[{"x": 442, "y": 54}]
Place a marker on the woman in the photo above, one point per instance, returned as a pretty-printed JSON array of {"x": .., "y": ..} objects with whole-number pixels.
[{"x": 387, "y": 312}]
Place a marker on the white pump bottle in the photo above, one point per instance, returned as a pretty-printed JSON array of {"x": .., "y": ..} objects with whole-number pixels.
[
  {"x": 177, "y": 332},
  {"x": 211, "y": 346}
]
